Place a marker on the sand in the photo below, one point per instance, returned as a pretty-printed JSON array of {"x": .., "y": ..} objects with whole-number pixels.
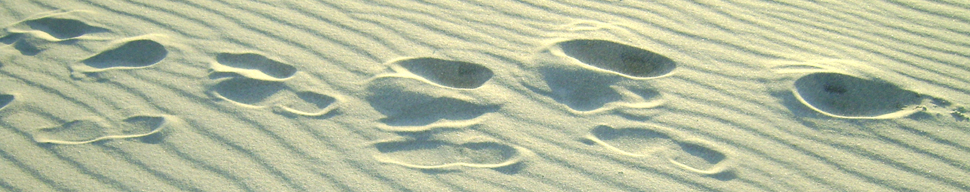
[{"x": 608, "y": 95}]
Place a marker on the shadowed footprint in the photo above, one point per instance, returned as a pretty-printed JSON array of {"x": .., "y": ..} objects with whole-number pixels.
[
  {"x": 436, "y": 154},
  {"x": 32, "y": 36},
  {"x": 131, "y": 54},
  {"x": 5, "y": 100},
  {"x": 253, "y": 65},
  {"x": 95, "y": 129},
  {"x": 619, "y": 58},
  {"x": 638, "y": 142},
  {"x": 845, "y": 96},
  {"x": 406, "y": 105},
  {"x": 63, "y": 28},
  {"x": 454, "y": 74}
]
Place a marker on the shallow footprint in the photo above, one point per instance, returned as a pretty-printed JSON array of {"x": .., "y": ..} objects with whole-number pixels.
[
  {"x": 454, "y": 74},
  {"x": 130, "y": 54},
  {"x": 309, "y": 104},
  {"x": 406, "y": 104},
  {"x": 249, "y": 92},
  {"x": 623, "y": 59},
  {"x": 89, "y": 130},
  {"x": 63, "y": 28},
  {"x": 253, "y": 65},
  {"x": 436, "y": 154},
  {"x": 639, "y": 142},
  {"x": 255, "y": 93},
  {"x": 845, "y": 96}
]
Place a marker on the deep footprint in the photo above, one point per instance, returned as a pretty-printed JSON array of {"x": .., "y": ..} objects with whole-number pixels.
[
  {"x": 95, "y": 129},
  {"x": 252, "y": 61},
  {"x": 425, "y": 154},
  {"x": 846, "y": 96},
  {"x": 63, "y": 28},
  {"x": 454, "y": 74},
  {"x": 5, "y": 100},
  {"x": 136, "y": 53},
  {"x": 620, "y": 58}
]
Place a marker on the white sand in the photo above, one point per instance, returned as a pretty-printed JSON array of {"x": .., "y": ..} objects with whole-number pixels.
[{"x": 610, "y": 95}]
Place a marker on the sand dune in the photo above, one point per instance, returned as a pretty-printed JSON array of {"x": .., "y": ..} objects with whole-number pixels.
[{"x": 280, "y": 95}]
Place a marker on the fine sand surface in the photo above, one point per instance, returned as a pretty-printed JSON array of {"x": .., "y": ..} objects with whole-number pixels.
[{"x": 481, "y": 95}]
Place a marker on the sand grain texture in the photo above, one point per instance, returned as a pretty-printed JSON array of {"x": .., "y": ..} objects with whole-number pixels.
[{"x": 281, "y": 95}]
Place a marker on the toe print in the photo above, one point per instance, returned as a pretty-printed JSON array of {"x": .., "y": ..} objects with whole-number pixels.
[
  {"x": 619, "y": 58},
  {"x": 454, "y": 74},
  {"x": 95, "y": 129},
  {"x": 253, "y": 65},
  {"x": 845, "y": 96}
]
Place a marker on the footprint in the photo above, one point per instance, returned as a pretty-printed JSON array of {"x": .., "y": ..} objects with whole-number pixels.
[
  {"x": 5, "y": 100},
  {"x": 440, "y": 154},
  {"x": 254, "y": 93},
  {"x": 844, "y": 96},
  {"x": 253, "y": 65},
  {"x": 452, "y": 74},
  {"x": 695, "y": 156},
  {"x": 623, "y": 59},
  {"x": 309, "y": 104},
  {"x": 137, "y": 53},
  {"x": 89, "y": 130},
  {"x": 406, "y": 102},
  {"x": 37, "y": 34},
  {"x": 591, "y": 76},
  {"x": 63, "y": 28}
]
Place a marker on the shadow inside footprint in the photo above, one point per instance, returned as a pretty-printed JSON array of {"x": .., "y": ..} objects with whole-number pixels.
[
  {"x": 63, "y": 28},
  {"x": 258, "y": 62},
  {"x": 847, "y": 96},
  {"x": 406, "y": 108},
  {"x": 448, "y": 73},
  {"x": 620, "y": 58},
  {"x": 137, "y": 53},
  {"x": 248, "y": 91},
  {"x": 5, "y": 100},
  {"x": 94, "y": 129},
  {"x": 698, "y": 157}
]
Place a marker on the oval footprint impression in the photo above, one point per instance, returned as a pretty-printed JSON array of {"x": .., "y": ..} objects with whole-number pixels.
[
  {"x": 453, "y": 74},
  {"x": 845, "y": 96},
  {"x": 619, "y": 58}
]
